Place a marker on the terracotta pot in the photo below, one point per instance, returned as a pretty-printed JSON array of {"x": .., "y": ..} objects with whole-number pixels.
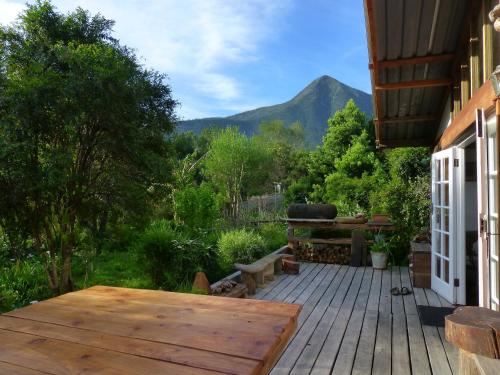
[
  {"x": 379, "y": 260},
  {"x": 381, "y": 218}
]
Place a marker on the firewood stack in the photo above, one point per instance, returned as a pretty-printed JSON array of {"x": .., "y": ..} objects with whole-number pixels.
[{"x": 324, "y": 253}]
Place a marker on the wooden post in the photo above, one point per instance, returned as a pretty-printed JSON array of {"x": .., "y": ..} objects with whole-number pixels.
[{"x": 292, "y": 244}]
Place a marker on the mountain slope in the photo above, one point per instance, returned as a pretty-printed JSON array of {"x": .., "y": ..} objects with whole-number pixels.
[{"x": 311, "y": 107}]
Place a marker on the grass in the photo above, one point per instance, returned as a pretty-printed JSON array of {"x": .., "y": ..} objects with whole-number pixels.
[{"x": 114, "y": 269}]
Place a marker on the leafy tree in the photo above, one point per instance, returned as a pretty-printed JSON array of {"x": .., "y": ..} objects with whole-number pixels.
[
  {"x": 82, "y": 129},
  {"x": 343, "y": 127},
  {"x": 358, "y": 173},
  {"x": 285, "y": 145},
  {"x": 196, "y": 207},
  {"x": 237, "y": 165}
]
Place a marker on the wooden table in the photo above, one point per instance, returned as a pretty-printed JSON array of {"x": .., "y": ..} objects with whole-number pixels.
[{"x": 110, "y": 330}]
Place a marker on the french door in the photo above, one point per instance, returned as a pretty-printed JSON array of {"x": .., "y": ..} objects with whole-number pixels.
[
  {"x": 488, "y": 241},
  {"x": 446, "y": 240},
  {"x": 492, "y": 217}
]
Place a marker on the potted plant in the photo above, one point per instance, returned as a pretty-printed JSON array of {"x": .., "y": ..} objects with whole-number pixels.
[{"x": 379, "y": 252}]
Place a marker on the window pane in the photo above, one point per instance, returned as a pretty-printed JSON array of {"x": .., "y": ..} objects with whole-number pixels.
[
  {"x": 446, "y": 220},
  {"x": 446, "y": 245},
  {"x": 446, "y": 166},
  {"x": 437, "y": 240},
  {"x": 446, "y": 197},
  {"x": 437, "y": 165},
  {"x": 446, "y": 271},
  {"x": 438, "y": 267},
  {"x": 437, "y": 188},
  {"x": 437, "y": 217}
]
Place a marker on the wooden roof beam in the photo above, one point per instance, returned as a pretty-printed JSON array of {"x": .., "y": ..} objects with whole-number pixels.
[
  {"x": 428, "y": 59},
  {"x": 423, "y": 83},
  {"x": 407, "y": 119},
  {"x": 418, "y": 142}
]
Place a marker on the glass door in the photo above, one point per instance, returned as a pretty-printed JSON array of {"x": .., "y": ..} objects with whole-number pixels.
[
  {"x": 492, "y": 217},
  {"x": 446, "y": 193}
]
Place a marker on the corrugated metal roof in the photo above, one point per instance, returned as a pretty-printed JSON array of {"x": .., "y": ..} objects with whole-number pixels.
[{"x": 407, "y": 29}]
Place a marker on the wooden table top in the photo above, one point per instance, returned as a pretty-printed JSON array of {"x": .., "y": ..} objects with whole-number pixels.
[{"x": 109, "y": 330}]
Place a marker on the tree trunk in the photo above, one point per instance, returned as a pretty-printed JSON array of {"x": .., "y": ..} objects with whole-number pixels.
[{"x": 66, "y": 279}]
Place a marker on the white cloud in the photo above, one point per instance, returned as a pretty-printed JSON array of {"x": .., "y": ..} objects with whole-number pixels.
[
  {"x": 194, "y": 41},
  {"x": 9, "y": 11}
]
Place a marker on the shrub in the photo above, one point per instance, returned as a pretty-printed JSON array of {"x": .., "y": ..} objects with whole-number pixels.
[
  {"x": 241, "y": 246},
  {"x": 196, "y": 206},
  {"x": 21, "y": 282},
  {"x": 171, "y": 257},
  {"x": 274, "y": 235}
]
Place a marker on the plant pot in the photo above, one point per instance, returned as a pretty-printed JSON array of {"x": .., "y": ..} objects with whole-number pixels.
[
  {"x": 379, "y": 260},
  {"x": 381, "y": 218}
]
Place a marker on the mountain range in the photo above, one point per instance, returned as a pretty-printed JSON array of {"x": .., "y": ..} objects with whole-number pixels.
[{"x": 311, "y": 107}]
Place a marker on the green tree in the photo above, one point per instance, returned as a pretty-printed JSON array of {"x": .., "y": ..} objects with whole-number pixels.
[
  {"x": 343, "y": 127},
  {"x": 358, "y": 173},
  {"x": 82, "y": 129},
  {"x": 237, "y": 166},
  {"x": 285, "y": 145}
]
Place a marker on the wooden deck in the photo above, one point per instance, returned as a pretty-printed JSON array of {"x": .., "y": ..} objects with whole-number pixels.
[
  {"x": 350, "y": 324},
  {"x": 104, "y": 330}
]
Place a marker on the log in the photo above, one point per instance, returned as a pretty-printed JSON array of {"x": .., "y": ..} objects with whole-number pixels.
[
  {"x": 312, "y": 211},
  {"x": 474, "y": 330},
  {"x": 290, "y": 267}
]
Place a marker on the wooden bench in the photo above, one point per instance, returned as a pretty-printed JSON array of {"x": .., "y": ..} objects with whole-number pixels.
[{"x": 254, "y": 275}]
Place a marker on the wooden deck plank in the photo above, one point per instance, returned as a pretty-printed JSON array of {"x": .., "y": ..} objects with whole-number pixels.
[
  {"x": 451, "y": 352},
  {"x": 320, "y": 294},
  {"x": 331, "y": 346},
  {"x": 382, "y": 333},
  {"x": 171, "y": 353},
  {"x": 279, "y": 282},
  {"x": 298, "y": 289},
  {"x": 364, "y": 354},
  {"x": 374, "y": 297},
  {"x": 8, "y": 369},
  {"x": 347, "y": 352},
  {"x": 61, "y": 358},
  {"x": 150, "y": 327},
  {"x": 306, "y": 268},
  {"x": 400, "y": 353},
  {"x": 418, "y": 351},
  {"x": 385, "y": 305},
  {"x": 382, "y": 353},
  {"x": 437, "y": 355},
  {"x": 298, "y": 283},
  {"x": 292, "y": 352},
  {"x": 167, "y": 299},
  {"x": 309, "y": 290}
]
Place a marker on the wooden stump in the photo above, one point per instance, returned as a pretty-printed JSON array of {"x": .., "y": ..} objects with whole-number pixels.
[
  {"x": 475, "y": 331},
  {"x": 290, "y": 267},
  {"x": 201, "y": 283}
]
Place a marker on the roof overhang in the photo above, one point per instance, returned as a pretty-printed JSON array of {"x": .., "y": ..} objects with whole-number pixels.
[{"x": 413, "y": 48}]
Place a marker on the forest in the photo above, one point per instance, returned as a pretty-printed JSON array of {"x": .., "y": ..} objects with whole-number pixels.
[{"x": 98, "y": 187}]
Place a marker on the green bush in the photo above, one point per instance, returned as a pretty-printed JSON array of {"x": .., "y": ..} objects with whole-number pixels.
[
  {"x": 21, "y": 282},
  {"x": 196, "y": 206},
  {"x": 171, "y": 257},
  {"x": 241, "y": 246},
  {"x": 274, "y": 235},
  {"x": 119, "y": 237}
]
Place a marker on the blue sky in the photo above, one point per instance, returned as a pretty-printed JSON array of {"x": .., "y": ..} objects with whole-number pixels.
[{"x": 226, "y": 56}]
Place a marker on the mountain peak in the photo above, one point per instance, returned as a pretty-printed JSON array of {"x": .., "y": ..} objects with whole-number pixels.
[{"x": 312, "y": 107}]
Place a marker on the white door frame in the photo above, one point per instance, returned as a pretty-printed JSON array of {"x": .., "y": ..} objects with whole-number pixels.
[{"x": 448, "y": 225}]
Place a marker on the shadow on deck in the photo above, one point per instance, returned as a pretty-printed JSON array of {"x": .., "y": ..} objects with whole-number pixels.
[{"x": 351, "y": 324}]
